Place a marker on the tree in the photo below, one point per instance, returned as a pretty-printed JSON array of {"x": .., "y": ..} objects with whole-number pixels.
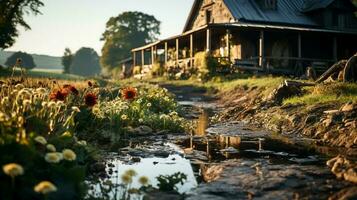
[
  {"x": 67, "y": 59},
  {"x": 27, "y": 61},
  {"x": 11, "y": 18},
  {"x": 85, "y": 62},
  {"x": 124, "y": 32}
]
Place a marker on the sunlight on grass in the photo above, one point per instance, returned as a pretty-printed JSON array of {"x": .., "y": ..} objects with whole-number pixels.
[{"x": 326, "y": 93}]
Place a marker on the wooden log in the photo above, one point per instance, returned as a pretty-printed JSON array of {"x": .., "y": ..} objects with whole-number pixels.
[
  {"x": 350, "y": 70},
  {"x": 335, "y": 68},
  {"x": 297, "y": 83}
]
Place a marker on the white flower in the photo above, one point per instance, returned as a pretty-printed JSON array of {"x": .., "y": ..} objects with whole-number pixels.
[
  {"x": 163, "y": 116},
  {"x": 148, "y": 105},
  {"x": 173, "y": 113},
  {"x": 53, "y": 157},
  {"x": 139, "y": 100},
  {"x": 19, "y": 86},
  {"x": 135, "y": 108},
  {"x": 44, "y": 104},
  {"x": 60, "y": 103},
  {"x": 52, "y": 104},
  {"x": 82, "y": 143},
  {"x": 26, "y": 102},
  {"x": 51, "y": 147},
  {"x": 41, "y": 140},
  {"x": 76, "y": 109},
  {"x": 124, "y": 117},
  {"x": 125, "y": 107},
  {"x": 41, "y": 90},
  {"x": 69, "y": 155},
  {"x": 141, "y": 120}
]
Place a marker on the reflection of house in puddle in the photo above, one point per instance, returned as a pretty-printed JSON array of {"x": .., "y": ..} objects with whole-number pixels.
[{"x": 202, "y": 123}]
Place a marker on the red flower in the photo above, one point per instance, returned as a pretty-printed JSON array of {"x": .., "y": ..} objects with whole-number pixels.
[
  {"x": 59, "y": 95},
  {"x": 90, "y": 99},
  {"x": 72, "y": 89},
  {"x": 129, "y": 93}
]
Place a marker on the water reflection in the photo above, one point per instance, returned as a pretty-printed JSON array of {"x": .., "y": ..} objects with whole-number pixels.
[{"x": 152, "y": 168}]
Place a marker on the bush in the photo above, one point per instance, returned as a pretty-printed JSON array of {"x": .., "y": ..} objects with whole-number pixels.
[
  {"x": 206, "y": 65},
  {"x": 158, "y": 69},
  {"x": 27, "y": 61},
  {"x": 137, "y": 70}
]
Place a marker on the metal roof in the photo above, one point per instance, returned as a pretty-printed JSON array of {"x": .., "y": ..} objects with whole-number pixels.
[
  {"x": 287, "y": 12},
  {"x": 311, "y": 5}
]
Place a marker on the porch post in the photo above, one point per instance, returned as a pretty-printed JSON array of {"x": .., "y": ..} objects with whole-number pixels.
[
  {"x": 166, "y": 53},
  {"x": 142, "y": 58},
  {"x": 191, "y": 50},
  {"x": 177, "y": 49},
  {"x": 299, "y": 46},
  {"x": 152, "y": 56},
  {"x": 335, "y": 48},
  {"x": 208, "y": 40},
  {"x": 228, "y": 33},
  {"x": 261, "y": 48},
  {"x": 134, "y": 58}
]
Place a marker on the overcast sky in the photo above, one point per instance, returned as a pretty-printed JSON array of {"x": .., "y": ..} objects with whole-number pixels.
[{"x": 80, "y": 23}]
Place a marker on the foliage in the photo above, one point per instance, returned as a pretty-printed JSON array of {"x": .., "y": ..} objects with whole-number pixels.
[
  {"x": 206, "y": 65},
  {"x": 158, "y": 69},
  {"x": 153, "y": 107},
  {"x": 27, "y": 61},
  {"x": 36, "y": 133},
  {"x": 169, "y": 182},
  {"x": 85, "y": 62},
  {"x": 137, "y": 70},
  {"x": 12, "y": 16},
  {"x": 67, "y": 59},
  {"x": 125, "y": 32}
]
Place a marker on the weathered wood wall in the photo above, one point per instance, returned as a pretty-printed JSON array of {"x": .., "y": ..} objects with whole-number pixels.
[{"x": 219, "y": 13}]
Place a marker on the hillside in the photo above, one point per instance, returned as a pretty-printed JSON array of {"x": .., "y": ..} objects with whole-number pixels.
[{"x": 42, "y": 61}]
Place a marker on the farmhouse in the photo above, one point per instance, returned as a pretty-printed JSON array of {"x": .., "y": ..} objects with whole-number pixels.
[{"x": 275, "y": 36}]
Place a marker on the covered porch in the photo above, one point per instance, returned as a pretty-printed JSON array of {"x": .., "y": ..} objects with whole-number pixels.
[{"x": 252, "y": 47}]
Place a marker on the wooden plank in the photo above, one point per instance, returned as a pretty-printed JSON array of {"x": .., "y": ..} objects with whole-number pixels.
[
  {"x": 208, "y": 40},
  {"x": 177, "y": 49},
  {"x": 299, "y": 46},
  {"x": 228, "y": 33},
  {"x": 191, "y": 50},
  {"x": 134, "y": 58},
  {"x": 152, "y": 56},
  {"x": 261, "y": 48},
  {"x": 335, "y": 49},
  {"x": 166, "y": 53},
  {"x": 142, "y": 58}
]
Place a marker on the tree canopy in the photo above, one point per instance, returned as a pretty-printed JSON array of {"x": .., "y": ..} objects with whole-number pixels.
[
  {"x": 124, "y": 32},
  {"x": 11, "y": 17},
  {"x": 67, "y": 59},
  {"x": 27, "y": 61},
  {"x": 85, "y": 62}
]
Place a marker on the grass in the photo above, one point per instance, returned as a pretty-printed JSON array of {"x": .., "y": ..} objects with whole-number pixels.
[
  {"x": 326, "y": 93},
  {"x": 43, "y": 73}
]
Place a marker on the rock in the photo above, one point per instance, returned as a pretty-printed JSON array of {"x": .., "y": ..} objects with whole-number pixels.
[
  {"x": 283, "y": 92},
  {"x": 143, "y": 130},
  {"x": 343, "y": 168},
  {"x": 348, "y": 107}
]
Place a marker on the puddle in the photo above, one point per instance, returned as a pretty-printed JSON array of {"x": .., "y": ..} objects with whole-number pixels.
[
  {"x": 154, "y": 167},
  {"x": 213, "y": 144}
]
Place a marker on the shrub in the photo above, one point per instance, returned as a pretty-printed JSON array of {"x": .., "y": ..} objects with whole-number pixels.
[
  {"x": 137, "y": 70},
  {"x": 205, "y": 64},
  {"x": 158, "y": 69}
]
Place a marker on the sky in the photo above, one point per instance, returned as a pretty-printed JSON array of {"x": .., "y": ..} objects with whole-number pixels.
[{"x": 80, "y": 23}]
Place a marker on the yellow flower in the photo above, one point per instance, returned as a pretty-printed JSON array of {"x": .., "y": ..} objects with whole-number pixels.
[
  {"x": 45, "y": 187},
  {"x": 124, "y": 117},
  {"x": 131, "y": 172},
  {"x": 143, "y": 180},
  {"x": 69, "y": 155},
  {"x": 13, "y": 169},
  {"x": 51, "y": 147},
  {"x": 53, "y": 157},
  {"x": 66, "y": 134},
  {"x": 40, "y": 140},
  {"x": 148, "y": 105},
  {"x": 126, "y": 178}
]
